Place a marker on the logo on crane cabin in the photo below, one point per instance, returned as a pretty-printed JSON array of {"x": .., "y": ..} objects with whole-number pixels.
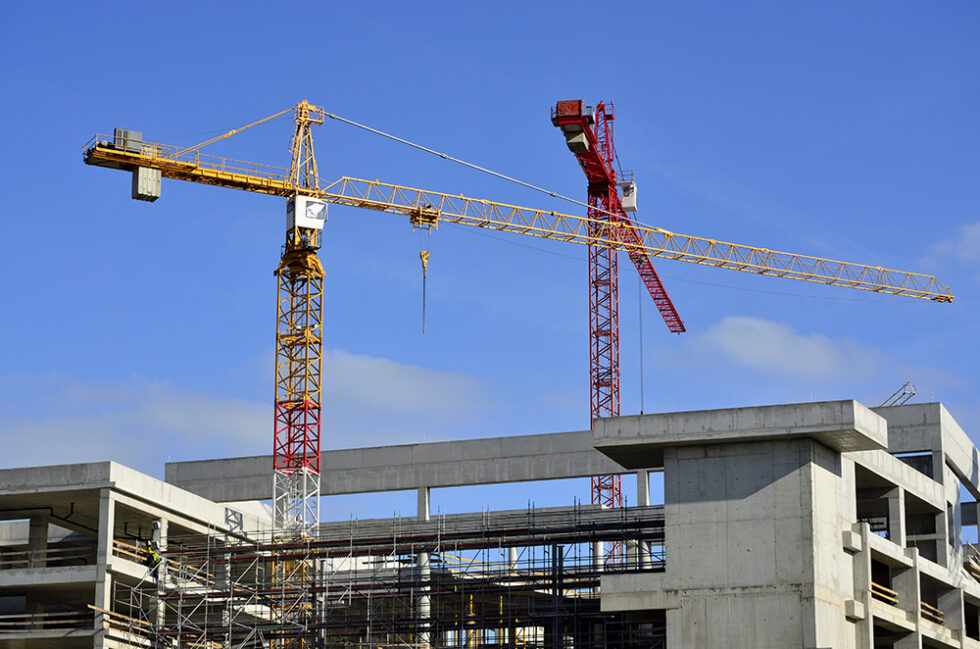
[{"x": 305, "y": 212}]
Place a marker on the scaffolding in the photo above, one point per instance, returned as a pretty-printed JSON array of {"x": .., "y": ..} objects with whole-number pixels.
[{"x": 515, "y": 580}]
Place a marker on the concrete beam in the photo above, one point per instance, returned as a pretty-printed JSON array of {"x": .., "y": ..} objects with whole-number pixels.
[
  {"x": 638, "y": 441},
  {"x": 409, "y": 466},
  {"x": 929, "y": 426},
  {"x": 39, "y": 479},
  {"x": 902, "y": 475}
]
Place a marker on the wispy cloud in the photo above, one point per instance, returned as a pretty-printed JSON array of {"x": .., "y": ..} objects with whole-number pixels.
[
  {"x": 52, "y": 420},
  {"x": 776, "y": 347},
  {"x": 963, "y": 248},
  {"x": 143, "y": 423},
  {"x": 370, "y": 400},
  {"x": 383, "y": 383}
]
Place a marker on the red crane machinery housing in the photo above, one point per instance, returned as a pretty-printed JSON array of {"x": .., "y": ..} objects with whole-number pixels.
[{"x": 589, "y": 135}]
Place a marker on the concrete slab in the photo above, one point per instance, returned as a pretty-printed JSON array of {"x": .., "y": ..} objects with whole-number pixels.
[
  {"x": 638, "y": 441},
  {"x": 43, "y": 639},
  {"x": 636, "y": 592},
  {"x": 61, "y": 576}
]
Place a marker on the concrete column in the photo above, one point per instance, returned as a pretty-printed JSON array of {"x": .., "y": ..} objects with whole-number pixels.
[
  {"x": 37, "y": 541},
  {"x": 862, "y": 587},
  {"x": 942, "y": 538},
  {"x": 938, "y": 465},
  {"x": 423, "y": 508},
  {"x": 422, "y": 603},
  {"x": 160, "y": 531},
  {"x": 643, "y": 552},
  {"x": 512, "y": 559},
  {"x": 37, "y": 557},
  {"x": 951, "y": 604},
  {"x": 896, "y": 516},
  {"x": 598, "y": 555},
  {"x": 643, "y": 488},
  {"x": 906, "y": 583},
  {"x": 642, "y": 500},
  {"x": 103, "y": 583}
]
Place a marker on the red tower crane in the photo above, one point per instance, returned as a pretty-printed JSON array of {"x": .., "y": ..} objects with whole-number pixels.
[{"x": 589, "y": 135}]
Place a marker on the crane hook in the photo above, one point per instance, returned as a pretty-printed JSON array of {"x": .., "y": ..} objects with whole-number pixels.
[{"x": 424, "y": 256}]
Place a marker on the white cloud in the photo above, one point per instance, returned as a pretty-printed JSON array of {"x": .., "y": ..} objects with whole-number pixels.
[
  {"x": 369, "y": 401},
  {"x": 963, "y": 248},
  {"x": 776, "y": 347},
  {"x": 379, "y": 383},
  {"x": 52, "y": 420},
  {"x": 141, "y": 423}
]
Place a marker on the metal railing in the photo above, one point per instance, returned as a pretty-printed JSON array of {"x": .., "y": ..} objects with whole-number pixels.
[
  {"x": 884, "y": 594},
  {"x": 25, "y": 622},
  {"x": 129, "y": 551},
  {"x": 181, "y": 570},
  {"x": 113, "y": 621},
  {"x": 54, "y": 556},
  {"x": 931, "y": 613},
  {"x": 185, "y": 156}
]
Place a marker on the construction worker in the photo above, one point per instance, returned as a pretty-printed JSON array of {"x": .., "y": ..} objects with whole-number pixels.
[{"x": 153, "y": 559}]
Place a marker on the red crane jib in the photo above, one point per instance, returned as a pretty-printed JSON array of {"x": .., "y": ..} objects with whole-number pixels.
[{"x": 589, "y": 136}]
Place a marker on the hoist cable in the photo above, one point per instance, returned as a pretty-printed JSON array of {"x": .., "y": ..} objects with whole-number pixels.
[{"x": 446, "y": 156}]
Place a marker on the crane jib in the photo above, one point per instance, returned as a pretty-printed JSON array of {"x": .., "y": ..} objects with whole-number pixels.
[{"x": 548, "y": 224}]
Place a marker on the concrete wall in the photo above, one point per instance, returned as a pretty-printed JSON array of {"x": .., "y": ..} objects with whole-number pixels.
[{"x": 753, "y": 546}]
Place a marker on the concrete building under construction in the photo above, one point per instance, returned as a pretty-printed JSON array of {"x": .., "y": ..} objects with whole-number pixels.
[{"x": 810, "y": 525}]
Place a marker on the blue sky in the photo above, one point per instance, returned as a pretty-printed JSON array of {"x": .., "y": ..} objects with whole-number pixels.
[{"x": 142, "y": 332}]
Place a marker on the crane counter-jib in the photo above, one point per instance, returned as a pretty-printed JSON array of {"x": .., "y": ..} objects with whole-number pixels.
[{"x": 425, "y": 206}]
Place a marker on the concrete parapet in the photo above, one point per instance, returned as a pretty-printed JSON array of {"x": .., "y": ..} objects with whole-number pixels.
[{"x": 638, "y": 441}]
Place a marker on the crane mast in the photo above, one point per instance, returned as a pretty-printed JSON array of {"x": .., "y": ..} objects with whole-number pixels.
[{"x": 299, "y": 342}]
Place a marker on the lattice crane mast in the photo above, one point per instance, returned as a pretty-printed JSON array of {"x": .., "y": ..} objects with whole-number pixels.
[{"x": 606, "y": 230}]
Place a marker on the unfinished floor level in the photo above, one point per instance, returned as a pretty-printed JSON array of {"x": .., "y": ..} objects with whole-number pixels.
[{"x": 805, "y": 525}]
